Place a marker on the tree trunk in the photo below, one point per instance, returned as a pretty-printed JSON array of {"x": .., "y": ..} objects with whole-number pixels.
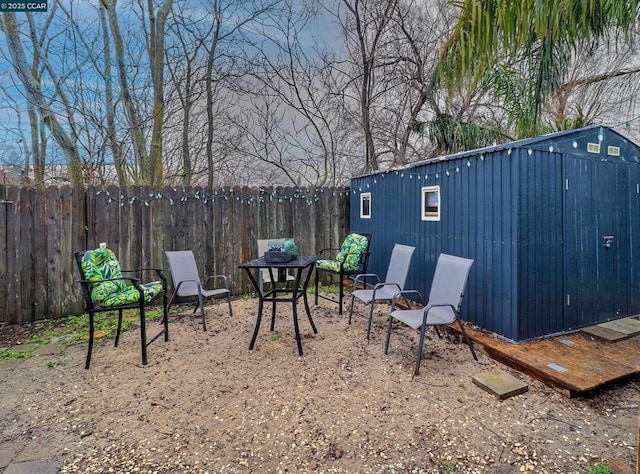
[
  {"x": 135, "y": 124},
  {"x": 156, "y": 62},
  {"x": 110, "y": 107},
  {"x": 35, "y": 96}
]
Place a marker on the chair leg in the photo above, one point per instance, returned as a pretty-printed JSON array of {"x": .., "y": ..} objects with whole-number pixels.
[
  {"x": 316, "y": 293},
  {"x": 258, "y": 321},
  {"x": 143, "y": 334},
  {"x": 423, "y": 330},
  {"x": 386, "y": 346},
  {"x": 467, "y": 340},
  {"x": 119, "y": 328},
  {"x": 370, "y": 318},
  {"x": 273, "y": 316},
  {"x": 88, "y": 361},
  {"x": 306, "y": 308},
  {"x": 202, "y": 315},
  {"x": 229, "y": 303},
  {"x": 351, "y": 308},
  {"x": 173, "y": 295},
  {"x": 165, "y": 317},
  {"x": 341, "y": 295}
]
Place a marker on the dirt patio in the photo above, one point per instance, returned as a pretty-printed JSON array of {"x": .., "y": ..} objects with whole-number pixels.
[{"x": 205, "y": 403}]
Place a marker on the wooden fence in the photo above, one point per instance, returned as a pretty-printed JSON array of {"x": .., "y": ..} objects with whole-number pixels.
[{"x": 41, "y": 228}]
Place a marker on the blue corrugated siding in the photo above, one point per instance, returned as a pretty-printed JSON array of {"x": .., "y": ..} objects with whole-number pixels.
[
  {"x": 540, "y": 247},
  {"x": 634, "y": 239},
  {"x": 600, "y": 281},
  {"x": 533, "y": 241},
  {"x": 477, "y": 221}
]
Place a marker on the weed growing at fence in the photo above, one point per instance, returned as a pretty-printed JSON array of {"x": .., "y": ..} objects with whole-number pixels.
[
  {"x": 600, "y": 469},
  {"x": 332, "y": 289},
  {"x": 74, "y": 330},
  {"x": 6, "y": 354}
]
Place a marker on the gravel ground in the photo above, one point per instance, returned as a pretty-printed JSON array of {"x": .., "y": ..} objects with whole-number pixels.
[{"x": 206, "y": 404}]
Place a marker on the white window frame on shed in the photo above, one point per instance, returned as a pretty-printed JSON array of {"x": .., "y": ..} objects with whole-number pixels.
[
  {"x": 365, "y": 210},
  {"x": 430, "y": 194}
]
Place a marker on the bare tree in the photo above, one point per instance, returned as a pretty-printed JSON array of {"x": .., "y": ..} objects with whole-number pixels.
[
  {"x": 37, "y": 97},
  {"x": 189, "y": 32},
  {"x": 292, "y": 99},
  {"x": 365, "y": 26},
  {"x": 110, "y": 105},
  {"x": 220, "y": 60},
  {"x": 157, "y": 23},
  {"x": 601, "y": 86},
  {"x": 136, "y": 130}
]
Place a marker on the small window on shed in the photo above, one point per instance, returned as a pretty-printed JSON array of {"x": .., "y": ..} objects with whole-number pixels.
[
  {"x": 613, "y": 151},
  {"x": 593, "y": 147},
  {"x": 431, "y": 203},
  {"x": 365, "y": 206}
]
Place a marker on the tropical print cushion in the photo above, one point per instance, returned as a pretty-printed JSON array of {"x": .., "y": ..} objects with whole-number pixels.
[
  {"x": 130, "y": 294},
  {"x": 353, "y": 247},
  {"x": 102, "y": 264}
]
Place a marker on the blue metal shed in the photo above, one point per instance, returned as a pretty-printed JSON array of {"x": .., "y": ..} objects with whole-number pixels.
[{"x": 552, "y": 222}]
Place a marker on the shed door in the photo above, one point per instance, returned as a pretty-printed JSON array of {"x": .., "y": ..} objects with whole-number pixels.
[{"x": 597, "y": 244}]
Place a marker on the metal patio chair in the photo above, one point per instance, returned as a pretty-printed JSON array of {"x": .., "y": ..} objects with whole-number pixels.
[
  {"x": 383, "y": 290},
  {"x": 352, "y": 259},
  {"x": 187, "y": 282},
  {"x": 105, "y": 289},
  {"x": 443, "y": 306}
]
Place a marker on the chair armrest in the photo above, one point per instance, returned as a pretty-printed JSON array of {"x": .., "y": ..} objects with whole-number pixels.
[
  {"x": 214, "y": 277},
  {"x": 321, "y": 251},
  {"x": 159, "y": 272},
  {"x": 132, "y": 279},
  {"x": 362, "y": 278},
  {"x": 142, "y": 270},
  {"x": 402, "y": 294},
  {"x": 382, "y": 284}
]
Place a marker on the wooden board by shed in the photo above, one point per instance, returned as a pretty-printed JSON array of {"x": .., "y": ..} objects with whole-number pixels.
[{"x": 571, "y": 364}]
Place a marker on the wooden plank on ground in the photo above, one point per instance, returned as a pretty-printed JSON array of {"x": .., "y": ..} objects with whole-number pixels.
[
  {"x": 572, "y": 368},
  {"x": 558, "y": 365},
  {"x": 625, "y": 352}
]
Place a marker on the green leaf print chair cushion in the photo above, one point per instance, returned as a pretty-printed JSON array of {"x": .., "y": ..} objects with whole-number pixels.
[
  {"x": 105, "y": 289},
  {"x": 102, "y": 267},
  {"x": 349, "y": 256},
  {"x": 352, "y": 259}
]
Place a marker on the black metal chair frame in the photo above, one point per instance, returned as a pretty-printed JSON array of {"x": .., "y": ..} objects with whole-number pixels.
[
  {"x": 343, "y": 273},
  {"x": 92, "y": 308}
]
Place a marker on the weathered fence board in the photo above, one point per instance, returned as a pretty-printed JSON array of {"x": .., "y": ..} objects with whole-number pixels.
[
  {"x": 41, "y": 228},
  {"x": 5, "y": 207},
  {"x": 14, "y": 256}
]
